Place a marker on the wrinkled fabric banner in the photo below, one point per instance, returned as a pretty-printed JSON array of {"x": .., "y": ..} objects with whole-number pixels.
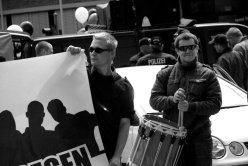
[
  {"x": 46, "y": 113},
  {"x": 6, "y": 47}
]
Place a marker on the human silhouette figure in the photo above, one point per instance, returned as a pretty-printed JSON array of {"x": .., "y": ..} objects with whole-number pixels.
[
  {"x": 37, "y": 143},
  {"x": 74, "y": 129},
  {"x": 2, "y": 59},
  {"x": 9, "y": 139}
]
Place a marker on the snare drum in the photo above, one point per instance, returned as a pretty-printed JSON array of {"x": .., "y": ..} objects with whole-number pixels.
[{"x": 159, "y": 142}]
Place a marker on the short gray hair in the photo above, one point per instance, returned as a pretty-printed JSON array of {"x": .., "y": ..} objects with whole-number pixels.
[
  {"x": 43, "y": 45},
  {"x": 233, "y": 31},
  {"x": 112, "y": 43}
]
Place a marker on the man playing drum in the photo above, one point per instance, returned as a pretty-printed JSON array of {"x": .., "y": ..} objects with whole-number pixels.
[{"x": 192, "y": 88}]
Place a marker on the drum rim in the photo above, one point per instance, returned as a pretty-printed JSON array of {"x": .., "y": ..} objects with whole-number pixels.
[{"x": 164, "y": 128}]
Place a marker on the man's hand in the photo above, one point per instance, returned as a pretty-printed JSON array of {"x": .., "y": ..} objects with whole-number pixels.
[
  {"x": 179, "y": 95},
  {"x": 115, "y": 161},
  {"x": 73, "y": 50},
  {"x": 183, "y": 105}
]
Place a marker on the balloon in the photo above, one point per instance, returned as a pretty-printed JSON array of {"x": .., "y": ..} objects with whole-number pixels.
[
  {"x": 81, "y": 14},
  {"x": 15, "y": 27},
  {"x": 92, "y": 19}
]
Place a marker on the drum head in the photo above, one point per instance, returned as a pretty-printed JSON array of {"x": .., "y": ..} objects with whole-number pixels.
[{"x": 161, "y": 120}]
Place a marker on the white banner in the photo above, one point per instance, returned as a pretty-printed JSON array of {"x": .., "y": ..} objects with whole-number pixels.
[{"x": 46, "y": 113}]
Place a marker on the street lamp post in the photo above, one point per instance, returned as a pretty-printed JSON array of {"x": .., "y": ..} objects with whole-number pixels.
[
  {"x": 61, "y": 16},
  {"x": 1, "y": 12}
]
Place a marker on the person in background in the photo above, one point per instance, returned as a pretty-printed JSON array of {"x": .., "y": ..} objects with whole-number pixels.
[
  {"x": 192, "y": 88},
  {"x": 43, "y": 48},
  {"x": 112, "y": 95},
  {"x": 239, "y": 43},
  {"x": 144, "y": 48},
  {"x": 28, "y": 28},
  {"x": 17, "y": 44},
  {"x": 157, "y": 56},
  {"x": 228, "y": 59}
]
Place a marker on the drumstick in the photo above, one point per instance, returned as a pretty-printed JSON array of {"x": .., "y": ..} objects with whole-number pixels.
[
  {"x": 180, "y": 118},
  {"x": 181, "y": 124}
]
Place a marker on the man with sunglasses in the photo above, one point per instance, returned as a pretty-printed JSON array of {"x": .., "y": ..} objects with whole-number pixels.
[
  {"x": 193, "y": 89},
  {"x": 112, "y": 95}
]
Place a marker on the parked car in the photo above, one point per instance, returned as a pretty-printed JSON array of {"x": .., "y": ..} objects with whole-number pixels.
[{"x": 230, "y": 139}]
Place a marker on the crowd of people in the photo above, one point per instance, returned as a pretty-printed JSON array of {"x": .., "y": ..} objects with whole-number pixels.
[
  {"x": 171, "y": 93},
  {"x": 231, "y": 51},
  {"x": 197, "y": 101}
]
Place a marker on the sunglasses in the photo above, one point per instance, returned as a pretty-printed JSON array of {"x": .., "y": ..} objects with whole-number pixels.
[
  {"x": 98, "y": 50},
  {"x": 185, "y": 48}
]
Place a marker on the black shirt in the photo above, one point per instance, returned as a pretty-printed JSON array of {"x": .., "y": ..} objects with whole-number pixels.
[{"x": 113, "y": 100}]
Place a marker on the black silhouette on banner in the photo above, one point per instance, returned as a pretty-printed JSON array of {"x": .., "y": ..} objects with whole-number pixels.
[{"x": 73, "y": 137}]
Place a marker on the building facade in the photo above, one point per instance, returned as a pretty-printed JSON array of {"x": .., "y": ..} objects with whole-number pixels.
[{"x": 44, "y": 14}]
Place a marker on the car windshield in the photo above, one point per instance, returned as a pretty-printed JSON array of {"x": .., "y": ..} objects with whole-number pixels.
[
  {"x": 231, "y": 95},
  {"x": 142, "y": 79}
]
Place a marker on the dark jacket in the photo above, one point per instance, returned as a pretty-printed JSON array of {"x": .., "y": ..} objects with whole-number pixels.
[
  {"x": 242, "y": 49},
  {"x": 234, "y": 65},
  {"x": 202, "y": 92},
  {"x": 134, "y": 59}
]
